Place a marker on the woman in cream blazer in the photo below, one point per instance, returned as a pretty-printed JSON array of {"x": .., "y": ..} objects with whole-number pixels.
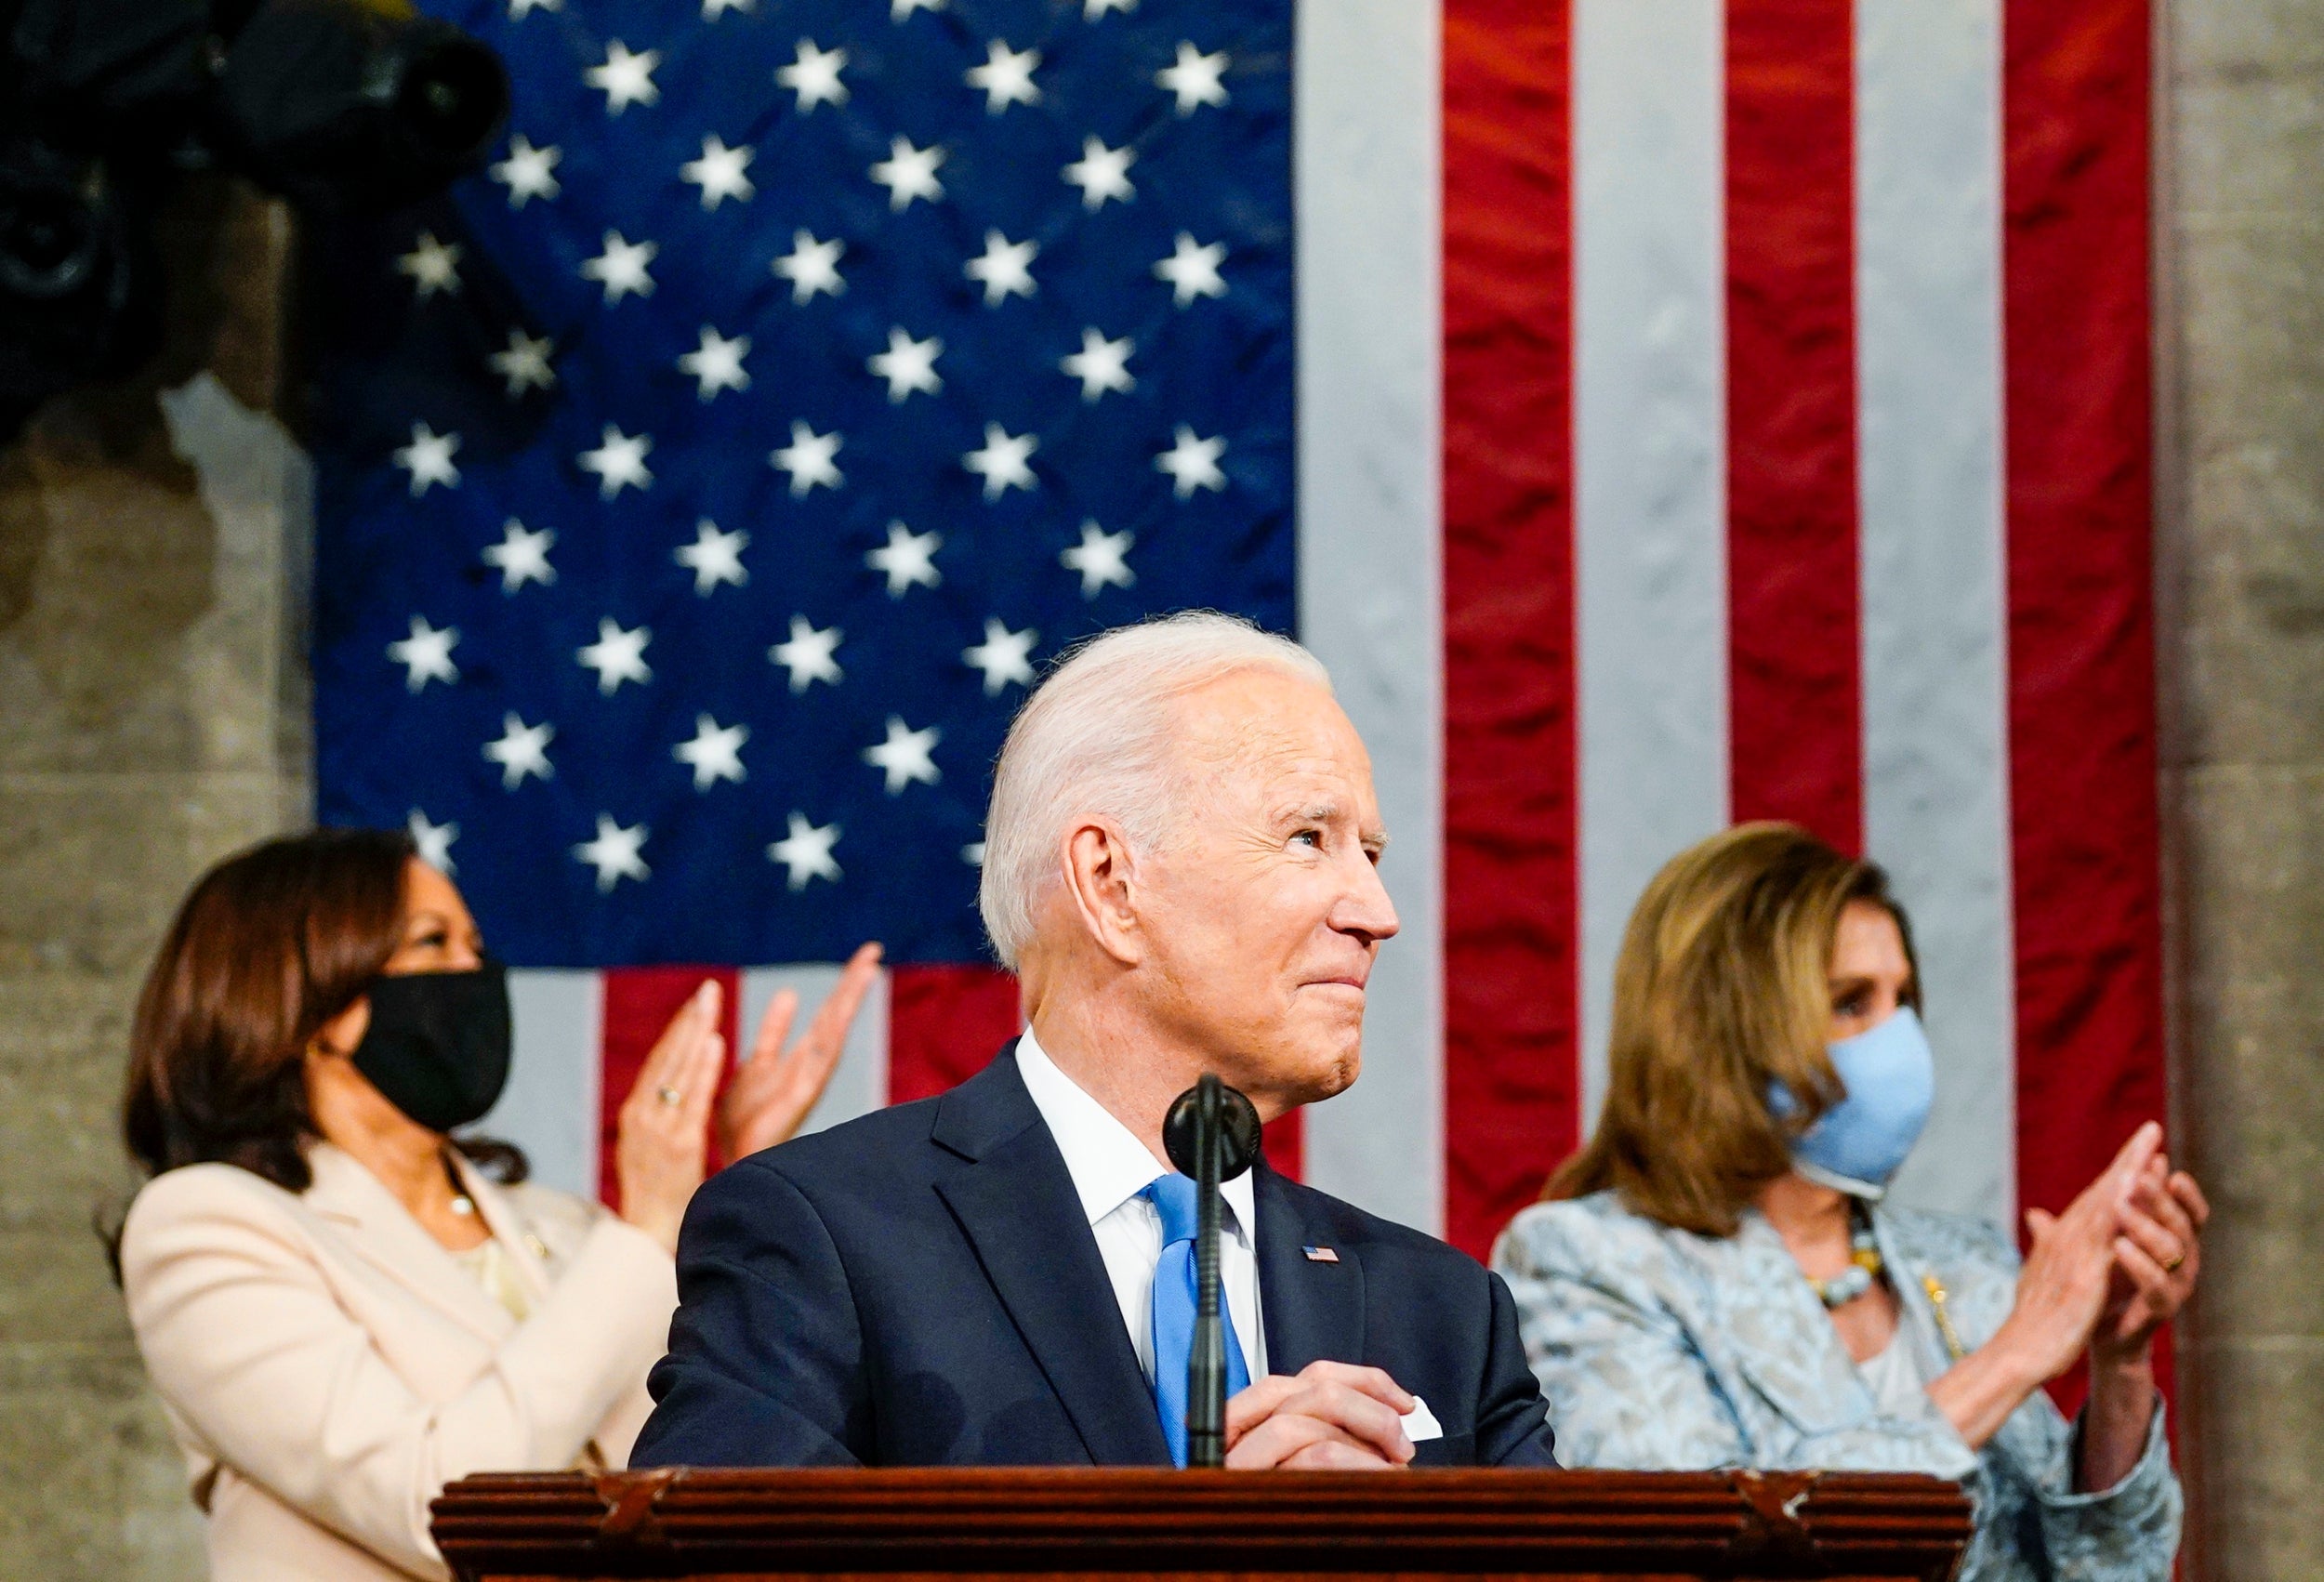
[
  {"x": 341, "y": 1308},
  {"x": 328, "y": 1367}
]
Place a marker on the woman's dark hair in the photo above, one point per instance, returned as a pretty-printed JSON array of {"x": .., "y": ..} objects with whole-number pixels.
[{"x": 272, "y": 943}]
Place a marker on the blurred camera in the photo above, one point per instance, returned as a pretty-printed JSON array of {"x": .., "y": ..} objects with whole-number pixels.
[{"x": 342, "y": 105}]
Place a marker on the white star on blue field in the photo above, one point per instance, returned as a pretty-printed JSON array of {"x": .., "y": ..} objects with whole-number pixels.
[{"x": 703, "y": 483}]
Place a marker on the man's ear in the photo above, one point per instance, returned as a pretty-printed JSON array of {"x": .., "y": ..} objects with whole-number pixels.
[{"x": 1102, "y": 880}]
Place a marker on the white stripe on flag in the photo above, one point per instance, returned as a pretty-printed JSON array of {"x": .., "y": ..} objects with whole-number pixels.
[
  {"x": 1649, "y": 460},
  {"x": 1934, "y": 602},
  {"x": 551, "y": 1108},
  {"x": 860, "y": 1085},
  {"x": 1370, "y": 516}
]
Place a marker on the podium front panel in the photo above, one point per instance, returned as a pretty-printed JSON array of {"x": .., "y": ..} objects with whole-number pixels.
[{"x": 1024, "y": 1526}]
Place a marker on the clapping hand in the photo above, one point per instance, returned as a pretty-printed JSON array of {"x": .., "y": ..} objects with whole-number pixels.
[
  {"x": 774, "y": 1090},
  {"x": 2158, "y": 1256},
  {"x": 2102, "y": 1277},
  {"x": 2069, "y": 1275},
  {"x": 662, "y": 1141},
  {"x": 662, "y": 1133},
  {"x": 2121, "y": 1261}
]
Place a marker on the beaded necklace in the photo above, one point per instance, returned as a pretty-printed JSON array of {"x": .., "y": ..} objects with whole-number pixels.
[{"x": 1864, "y": 1265}]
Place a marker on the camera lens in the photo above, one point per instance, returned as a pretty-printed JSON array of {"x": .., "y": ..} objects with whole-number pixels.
[
  {"x": 48, "y": 242},
  {"x": 453, "y": 98}
]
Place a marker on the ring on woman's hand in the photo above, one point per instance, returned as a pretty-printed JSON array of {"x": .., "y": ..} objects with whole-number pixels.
[
  {"x": 2173, "y": 1267},
  {"x": 669, "y": 1096}
]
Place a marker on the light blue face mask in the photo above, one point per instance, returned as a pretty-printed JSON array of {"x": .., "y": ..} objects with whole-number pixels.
[{"x": 1890, "y": 1076}]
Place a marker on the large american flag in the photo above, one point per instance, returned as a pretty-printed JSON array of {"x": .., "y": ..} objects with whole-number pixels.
[{"x": 1701, "y": 412}]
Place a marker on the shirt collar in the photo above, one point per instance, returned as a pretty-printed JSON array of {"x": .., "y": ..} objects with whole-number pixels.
[{"x": 1109, "y": 1166}]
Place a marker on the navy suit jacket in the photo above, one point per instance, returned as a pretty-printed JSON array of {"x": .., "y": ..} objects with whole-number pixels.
[{"x": 920, "y": 1287}]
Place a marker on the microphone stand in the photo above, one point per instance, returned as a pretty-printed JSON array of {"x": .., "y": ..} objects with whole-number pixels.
[
  {"x": 1206, "y": 1364},
  {"x": 1212, "y": 1133}
]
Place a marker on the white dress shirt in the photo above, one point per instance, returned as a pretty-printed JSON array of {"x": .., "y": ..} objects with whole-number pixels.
[{"x": 1110, "y": 1168}]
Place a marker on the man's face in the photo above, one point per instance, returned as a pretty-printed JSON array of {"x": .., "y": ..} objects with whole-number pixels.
[{"x": 1264, "y": 911}]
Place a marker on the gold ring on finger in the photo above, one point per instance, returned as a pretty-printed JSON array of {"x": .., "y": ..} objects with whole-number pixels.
[
  {"x": 669, "y": 1096},
  {"x": 2173, "y": 1267}
]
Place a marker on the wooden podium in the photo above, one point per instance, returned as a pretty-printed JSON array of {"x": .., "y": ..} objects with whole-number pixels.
[{"x": 929, "y": 1526}]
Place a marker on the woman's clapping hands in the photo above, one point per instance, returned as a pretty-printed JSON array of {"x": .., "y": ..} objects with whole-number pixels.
[
  {"x": 2157, "y": 1256},
  {"x": 2114, "y": 1267},
  {"x": 2100, "y": 1278},
  {"x": 2069, "y": 1269},
  {"x": 662, "y": 1148}
]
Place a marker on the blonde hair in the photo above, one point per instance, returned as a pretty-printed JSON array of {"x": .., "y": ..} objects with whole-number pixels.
[
  {"x": 1097, "y": 738},
  {"x": 1721, "y": 992}
]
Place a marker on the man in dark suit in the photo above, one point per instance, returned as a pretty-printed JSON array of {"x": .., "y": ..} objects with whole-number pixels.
[{"x": 1180, "y": 865}]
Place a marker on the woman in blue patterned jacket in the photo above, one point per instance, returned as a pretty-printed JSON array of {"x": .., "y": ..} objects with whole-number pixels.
[{"x": 1714, "y": 1280}]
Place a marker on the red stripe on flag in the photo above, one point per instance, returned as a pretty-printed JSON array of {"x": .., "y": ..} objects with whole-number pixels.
[
  {"x": 2086, "y": 855},
  {"x": 1795, "y": 687},
  {"x": 638, "y": 1003},
  {"x": 1512, "y": 1085},
  {"x": 1285, "y": 1142},
  {"x": 944, "y": 1025}
]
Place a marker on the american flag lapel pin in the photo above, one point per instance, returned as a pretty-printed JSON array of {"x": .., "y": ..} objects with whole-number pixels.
[{"x": 1320, "y": 1254}]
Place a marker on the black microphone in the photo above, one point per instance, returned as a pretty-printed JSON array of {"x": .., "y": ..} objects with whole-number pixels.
[{"x": 1211, "y": 1134}]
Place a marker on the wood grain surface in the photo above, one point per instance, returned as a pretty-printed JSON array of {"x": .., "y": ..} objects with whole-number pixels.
[{"x": 929, "y": 1523}]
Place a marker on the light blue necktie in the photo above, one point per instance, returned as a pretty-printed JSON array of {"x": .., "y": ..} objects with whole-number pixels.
[{"x": 1173, "y": 1197}]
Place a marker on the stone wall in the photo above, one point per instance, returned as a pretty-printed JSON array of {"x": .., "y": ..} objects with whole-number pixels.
[
  {"x": 2241, "y": 351},
  {"x": 153, "y": 717}
]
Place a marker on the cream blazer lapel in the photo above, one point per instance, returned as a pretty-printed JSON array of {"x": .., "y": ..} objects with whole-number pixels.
[
  {"x": 381, "y": 1231},
  {"x": 525, "y": 1242}
]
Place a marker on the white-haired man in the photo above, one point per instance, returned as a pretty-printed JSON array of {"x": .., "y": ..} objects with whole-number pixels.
[{"x": 1180, "y": 865}]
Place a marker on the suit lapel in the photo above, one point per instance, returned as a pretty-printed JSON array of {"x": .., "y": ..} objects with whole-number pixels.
[
  {"x": 1784, "y": 1341},
  {"x": 382, "y": 1231},
  {"x": 1015, "y": 1201},
  {"x": 525, "y": 1250},
  {"x": 1313, "y": 1310}
]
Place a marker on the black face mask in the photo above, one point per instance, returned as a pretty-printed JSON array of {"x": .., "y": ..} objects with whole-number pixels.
[{"x": 438, "y": 1044}]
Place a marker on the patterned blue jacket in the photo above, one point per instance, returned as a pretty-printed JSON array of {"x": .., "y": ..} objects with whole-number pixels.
[{"x": 1657, "y": 1347}]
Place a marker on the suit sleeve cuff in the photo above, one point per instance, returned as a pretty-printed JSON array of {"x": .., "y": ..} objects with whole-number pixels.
[{"x": 2131, "y": 1530}]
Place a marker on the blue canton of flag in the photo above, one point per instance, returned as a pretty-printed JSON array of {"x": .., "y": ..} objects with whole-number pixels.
[{"x": 699, "y": 488}]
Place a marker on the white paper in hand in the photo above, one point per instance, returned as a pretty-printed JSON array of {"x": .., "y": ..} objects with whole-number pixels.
[{"x": 1420, "y": 1423}]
